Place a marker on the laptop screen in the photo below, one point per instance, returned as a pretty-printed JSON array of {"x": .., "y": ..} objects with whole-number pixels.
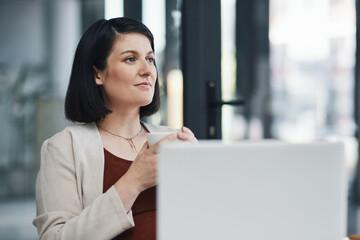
[{"x": 265, "y": 190}]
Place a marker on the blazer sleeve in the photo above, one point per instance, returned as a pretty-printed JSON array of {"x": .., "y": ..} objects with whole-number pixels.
[{"x": 60, "y": 211}]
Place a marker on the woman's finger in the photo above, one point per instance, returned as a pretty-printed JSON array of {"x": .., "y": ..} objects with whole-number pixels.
[
  {"x": 186, "y": 137},
  {"x": 187, "y": 130},
  {"x": 167, "y": 139}
]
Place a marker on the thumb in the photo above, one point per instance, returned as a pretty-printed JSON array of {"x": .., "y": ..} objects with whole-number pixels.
[{"x": 154, "y": 148}]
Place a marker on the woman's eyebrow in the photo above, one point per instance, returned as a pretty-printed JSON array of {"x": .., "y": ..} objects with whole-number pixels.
[
  {"x": 129, "y": 51},
  {"x": 135, "y": 52}
]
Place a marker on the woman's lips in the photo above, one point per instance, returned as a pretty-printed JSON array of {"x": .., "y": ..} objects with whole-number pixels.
[{"x": 144, "y": 85}]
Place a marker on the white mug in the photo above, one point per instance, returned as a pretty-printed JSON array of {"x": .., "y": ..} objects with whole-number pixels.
[{"x": 157, "y": 136}]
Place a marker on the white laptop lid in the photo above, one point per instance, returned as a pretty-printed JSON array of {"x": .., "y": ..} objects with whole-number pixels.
[{"x": 252, "y": 191}]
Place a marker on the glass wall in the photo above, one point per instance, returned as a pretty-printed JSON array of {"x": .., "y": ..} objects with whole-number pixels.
[
  {"x": 228, "y": 66},
  {"x": 312, "y": 71},
  {"x": 166, "y": 27},
  {"x": 312, "y": 57}
]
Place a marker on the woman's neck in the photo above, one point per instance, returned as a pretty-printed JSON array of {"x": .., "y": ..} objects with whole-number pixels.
[{"x": 124, "y": 123}]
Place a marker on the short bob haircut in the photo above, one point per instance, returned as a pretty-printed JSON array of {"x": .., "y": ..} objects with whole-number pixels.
[{"x": 84, "y": 100}]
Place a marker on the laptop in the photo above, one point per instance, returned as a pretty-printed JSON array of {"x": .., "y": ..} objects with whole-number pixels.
[{"x": 252, "y": 191}]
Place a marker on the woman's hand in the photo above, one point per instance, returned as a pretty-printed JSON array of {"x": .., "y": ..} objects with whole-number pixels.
[
  {"x": 187, "y": 135},
  {"x": 143, "y": 169},
  {"x": 142, "y": 173}
]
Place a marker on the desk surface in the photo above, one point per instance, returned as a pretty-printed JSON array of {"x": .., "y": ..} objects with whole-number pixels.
[{"x": 354, "y": 237}]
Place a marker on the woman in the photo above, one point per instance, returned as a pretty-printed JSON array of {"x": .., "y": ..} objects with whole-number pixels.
[{"x": 97, "y": 179}]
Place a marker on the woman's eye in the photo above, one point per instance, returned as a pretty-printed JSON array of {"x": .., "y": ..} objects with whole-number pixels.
[
  {"x": 130, "y": 59},
  {"x": 150, "y": 59}
]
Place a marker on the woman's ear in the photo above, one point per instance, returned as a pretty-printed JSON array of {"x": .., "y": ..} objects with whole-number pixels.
[{"x": 98, "y": 77}]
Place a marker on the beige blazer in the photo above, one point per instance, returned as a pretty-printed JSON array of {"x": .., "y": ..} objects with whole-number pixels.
[{"x": 69, "y": 188}]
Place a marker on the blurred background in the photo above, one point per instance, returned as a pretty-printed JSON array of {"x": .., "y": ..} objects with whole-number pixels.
[{"x": 228, "y": 69}]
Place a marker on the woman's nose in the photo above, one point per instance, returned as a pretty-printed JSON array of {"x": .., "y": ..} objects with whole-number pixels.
[{"x": 146, "y": 68}]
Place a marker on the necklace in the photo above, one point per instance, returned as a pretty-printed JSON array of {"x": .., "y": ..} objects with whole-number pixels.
[{"x": 130, "y": 140}]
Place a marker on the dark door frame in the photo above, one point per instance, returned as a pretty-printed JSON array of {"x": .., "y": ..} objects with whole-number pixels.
[{"x": 201, "y": 64}]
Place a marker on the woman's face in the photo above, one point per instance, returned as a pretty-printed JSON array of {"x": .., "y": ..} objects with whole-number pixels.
[{"x": 129, "y": 79}]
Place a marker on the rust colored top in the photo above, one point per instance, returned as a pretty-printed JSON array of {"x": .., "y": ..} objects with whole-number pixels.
[{"x": 144, "y": 208}]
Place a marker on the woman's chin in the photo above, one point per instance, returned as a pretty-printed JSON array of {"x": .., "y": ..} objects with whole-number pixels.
[{"x": 145, "y": 104}]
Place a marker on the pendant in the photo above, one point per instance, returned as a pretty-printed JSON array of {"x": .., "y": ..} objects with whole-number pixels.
[{"x": 132, "y": 145}]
